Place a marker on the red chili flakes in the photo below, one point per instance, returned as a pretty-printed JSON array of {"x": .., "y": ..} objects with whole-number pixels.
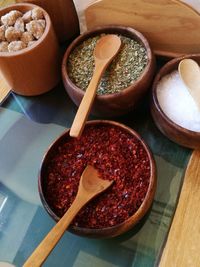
[{"x": 118, "y": 156}]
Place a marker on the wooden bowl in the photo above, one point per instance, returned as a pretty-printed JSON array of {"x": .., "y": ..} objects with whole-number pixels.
[
  {"x": 173, "y": 131},
  {"x": 36, "y": 69},
  {"x": 116, "y": 104},
  {"x": 109, "y": 231}
]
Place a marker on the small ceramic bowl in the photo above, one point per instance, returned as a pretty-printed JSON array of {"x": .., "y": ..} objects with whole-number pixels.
[
  {"x": 33, "y": 70},
  {"x": 109, "y": 231},
  {"x": 170, "y": 129},
  {"x": 116, "y": 104}
]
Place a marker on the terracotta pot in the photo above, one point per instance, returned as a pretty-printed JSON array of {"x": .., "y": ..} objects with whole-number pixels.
[
  {"x": 118, "y": 103},
  {"x": 35, "y": 69},
  {"x": 170, "y": 129},
  {"x": 63, "y": 15}
]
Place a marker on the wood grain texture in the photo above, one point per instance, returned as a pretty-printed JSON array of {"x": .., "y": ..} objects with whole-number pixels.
[
  {"x": 4, "y": 89},
  {"x": 170, "y": 25},
  {"x": 190, "y": 74},
  {"x": 183, "y": 246},
  {"x": 6, "y": 2}
]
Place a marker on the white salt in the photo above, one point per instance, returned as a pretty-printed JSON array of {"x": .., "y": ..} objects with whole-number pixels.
[{"x": 177, "y": 103}]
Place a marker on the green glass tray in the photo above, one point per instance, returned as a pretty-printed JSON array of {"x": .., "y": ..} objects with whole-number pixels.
[{"x": 28, "y": 126}]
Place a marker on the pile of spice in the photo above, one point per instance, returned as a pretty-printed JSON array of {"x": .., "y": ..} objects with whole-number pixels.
[
  {"x": 118, "y": 156},
  {"x": 177, "y": 103},
  {"x": 18, "y": 30},
  {"x": 125, "y": 69}
]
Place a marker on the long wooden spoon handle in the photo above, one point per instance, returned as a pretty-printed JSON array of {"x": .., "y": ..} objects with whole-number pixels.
[
  {"x": 48, "y": 243},
  {"x": 86, "y": 103},
  {"x": 4, "y": 89},
  {"x": 183, "y": 246}
]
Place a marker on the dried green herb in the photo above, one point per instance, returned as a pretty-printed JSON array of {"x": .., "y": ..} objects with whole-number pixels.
[{"x": 124, "y": 70}]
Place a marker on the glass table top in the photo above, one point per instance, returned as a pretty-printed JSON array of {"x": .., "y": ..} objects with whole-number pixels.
[{"x": 28, "y": 125}]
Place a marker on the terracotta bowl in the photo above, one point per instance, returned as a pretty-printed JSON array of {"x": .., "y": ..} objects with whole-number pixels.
[
  {"x": 173, "y": 131},
  {"x": 116, "y": 104},
  {"x": 109, "y": 231}
]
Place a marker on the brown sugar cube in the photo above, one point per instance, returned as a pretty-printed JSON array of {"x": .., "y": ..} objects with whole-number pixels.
[
  {"x": 19, "y": 25},
  {"x": 37, "y": 13},
  {"x": 42, "y": 22},
  {"x": 36, "y": 28},
  {"x": 31, "y": 43},
  {"x": 27, "y": 17},
  {"x": 10, "y": 18},
  {"x": 2, "y": 33},
  {"x": 27, "y": 37},
  {"x": 3, "y": 46},
  {"x": 12, "y": 34},
  {"x": 16, "y": 46}
]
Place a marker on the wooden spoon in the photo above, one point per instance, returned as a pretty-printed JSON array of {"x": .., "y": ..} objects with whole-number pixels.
[
  {"x": 107, "y": 47},
  {"x": 90, "y": 186},
  {"x": 190, "y": 74},
  {"x": 4, "y": 89}
]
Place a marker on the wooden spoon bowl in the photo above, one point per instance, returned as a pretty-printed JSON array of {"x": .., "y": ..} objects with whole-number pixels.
[
  {"x": 109, "y": 231},
  {"x": 173, "y": 131},
  {"x": 118, "y": 103}
]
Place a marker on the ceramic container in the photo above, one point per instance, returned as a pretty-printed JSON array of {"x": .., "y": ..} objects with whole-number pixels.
[
  {"x": 109, "y": 231},
  {"x": 173, "y": 131},
  {"x": 35, "y": 69},
  {"x": 63, "y": 15},
  {"x": 118, "y": 103}
]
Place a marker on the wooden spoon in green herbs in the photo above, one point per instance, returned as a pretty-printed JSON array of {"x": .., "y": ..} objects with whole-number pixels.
[{"x": 106, "y": 49}]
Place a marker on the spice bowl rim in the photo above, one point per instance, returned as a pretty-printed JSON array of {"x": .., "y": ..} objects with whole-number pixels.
[
  {"x": 118, "y": 229},
  {"x": 156, "y": 108},
  {"x": 110, "y": 29},
  {"x": 18, "y": 6}
]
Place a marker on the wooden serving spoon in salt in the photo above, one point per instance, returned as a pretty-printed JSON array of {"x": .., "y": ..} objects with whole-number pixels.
[
  {"x": 90, "y": 186},
  {"x": 106, "y": 49},
  {"x": 190, "y": 74}
]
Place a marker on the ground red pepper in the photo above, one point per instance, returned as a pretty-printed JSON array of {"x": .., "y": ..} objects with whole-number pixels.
[{"x": 118, "y": 156}]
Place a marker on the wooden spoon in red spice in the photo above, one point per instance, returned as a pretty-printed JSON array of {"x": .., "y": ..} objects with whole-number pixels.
[
  {"x": 90, "y": 186},
  {"x": 106, "y": 49}
]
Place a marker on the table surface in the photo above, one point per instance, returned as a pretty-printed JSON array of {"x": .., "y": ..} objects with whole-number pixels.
[{"x": 28, "y": 125}]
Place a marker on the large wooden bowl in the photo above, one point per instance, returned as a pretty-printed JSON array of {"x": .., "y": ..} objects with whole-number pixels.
[
  {"x": 110, "y": 231},
  {"x": 173, "y": 131},
  {"x": 118, "y": 103}
]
